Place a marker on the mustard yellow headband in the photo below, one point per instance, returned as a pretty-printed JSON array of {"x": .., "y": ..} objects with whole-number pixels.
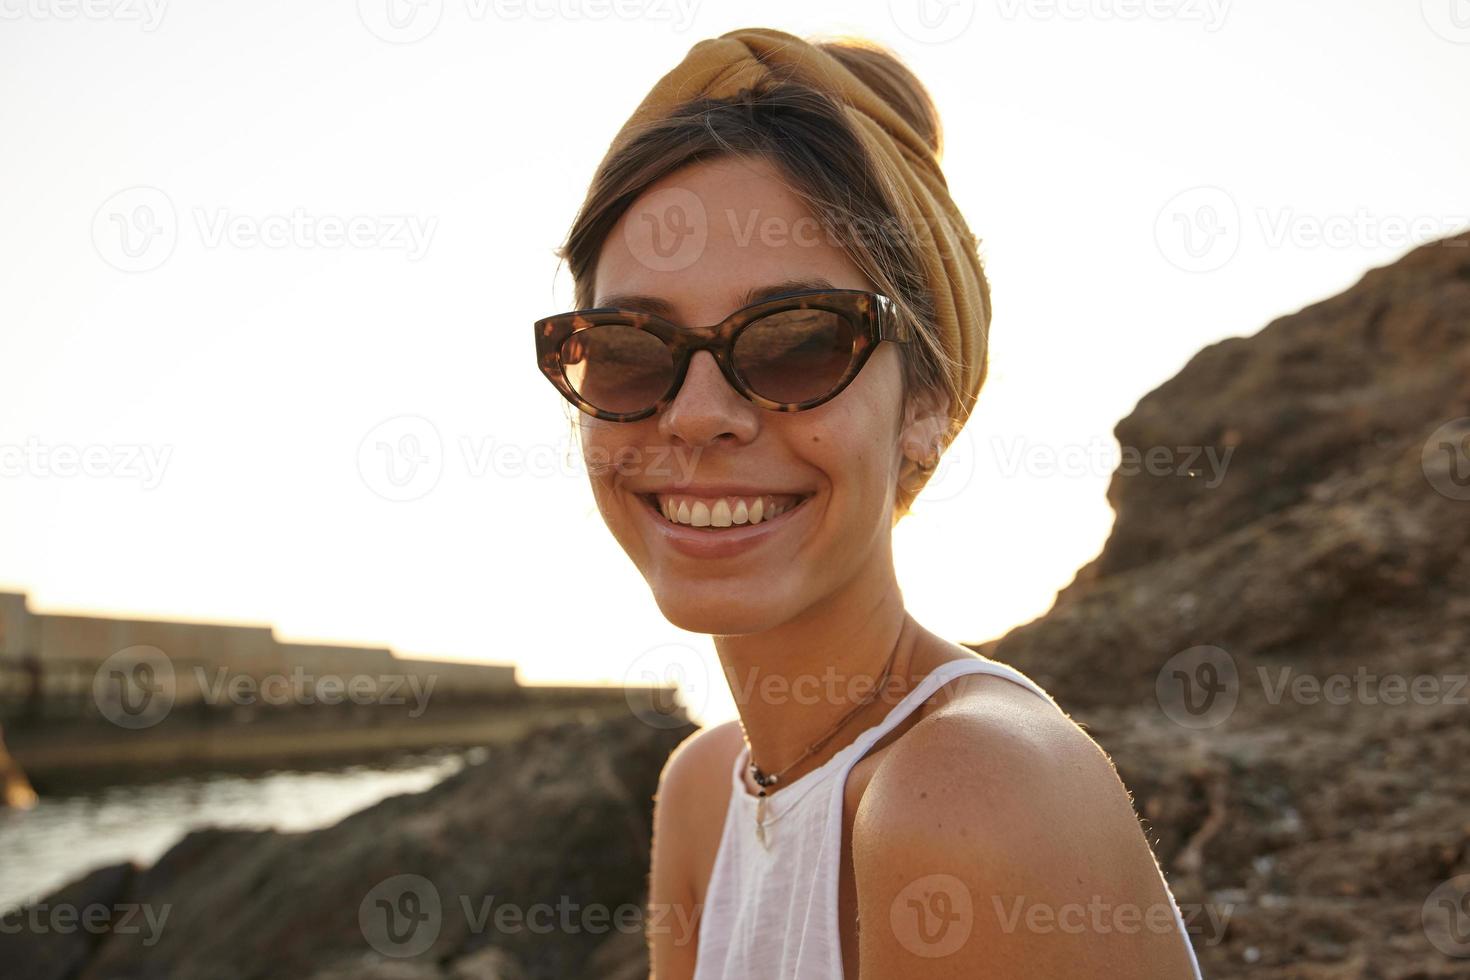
[{"x": 721, "y": 67}]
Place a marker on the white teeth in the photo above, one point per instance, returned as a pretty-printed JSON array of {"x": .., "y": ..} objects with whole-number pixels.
[{"x": 723, "y": 511}]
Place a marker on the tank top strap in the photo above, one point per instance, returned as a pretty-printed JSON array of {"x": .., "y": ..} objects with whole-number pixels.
[{"x": 932, "y": 682}]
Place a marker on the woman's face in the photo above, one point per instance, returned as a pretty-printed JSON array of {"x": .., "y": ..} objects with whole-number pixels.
[{"x": 700, "y": 244}]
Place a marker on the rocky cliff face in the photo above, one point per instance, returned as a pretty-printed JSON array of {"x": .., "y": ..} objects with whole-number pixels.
[
  {"x": 1271, "y": 658},
  {"x": 1322, "y": 589}
]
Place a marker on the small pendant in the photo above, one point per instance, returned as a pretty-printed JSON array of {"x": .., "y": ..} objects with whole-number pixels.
[{"x": 760, "y": 816}]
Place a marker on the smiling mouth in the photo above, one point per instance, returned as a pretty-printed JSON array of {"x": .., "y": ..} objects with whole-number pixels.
[{"x": 721, "y": 513}]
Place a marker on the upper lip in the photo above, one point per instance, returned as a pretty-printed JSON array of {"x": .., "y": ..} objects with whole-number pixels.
[{"x": 722, "y": 490}]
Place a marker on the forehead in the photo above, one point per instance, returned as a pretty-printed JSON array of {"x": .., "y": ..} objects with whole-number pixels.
[{"x": 705, "y": 236}]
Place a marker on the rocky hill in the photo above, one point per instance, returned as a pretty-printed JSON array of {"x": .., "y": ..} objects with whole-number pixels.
[{"x": 1325, "y": 795}]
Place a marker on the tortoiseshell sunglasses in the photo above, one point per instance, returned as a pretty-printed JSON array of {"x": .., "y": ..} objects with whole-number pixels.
[{"x": 786, "y": 353}]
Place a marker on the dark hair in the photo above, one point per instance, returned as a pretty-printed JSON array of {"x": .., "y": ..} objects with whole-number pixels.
[{"x": 815, "y": 145}]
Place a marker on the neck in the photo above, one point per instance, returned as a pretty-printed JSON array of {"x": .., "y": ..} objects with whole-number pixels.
[{"x": 794, "y": 682}]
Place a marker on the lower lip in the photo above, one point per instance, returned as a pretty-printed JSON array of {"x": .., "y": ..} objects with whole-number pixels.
[{"x": 724, "y": 543}]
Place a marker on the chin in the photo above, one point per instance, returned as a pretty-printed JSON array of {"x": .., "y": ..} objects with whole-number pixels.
[{"x": 718, "y": 612}]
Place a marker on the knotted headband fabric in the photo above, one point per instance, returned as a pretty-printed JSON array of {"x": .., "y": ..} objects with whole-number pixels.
[{"x": 721, "y": 67}]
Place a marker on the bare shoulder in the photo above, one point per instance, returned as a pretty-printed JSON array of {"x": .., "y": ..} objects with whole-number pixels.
[
  {"x": 994, "y": 739},
  {"x": 696, "y": 762},
  {"x": 1000, "y": 819},
  {"x": 989, "y": 741},
  {"x": 687, "y": 819},
  {"x": 693, "y": 794}
]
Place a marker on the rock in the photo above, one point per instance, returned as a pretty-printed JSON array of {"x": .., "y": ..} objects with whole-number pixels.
[
  {"x": 1330, "y": 563},
  {"x": 552, "y": 831},
  {"x": 624, "y": 956},
  {"x": 489, "y": 963},
  {"x": 375, "y": 967},
  {"x": 53, "y": 939}
]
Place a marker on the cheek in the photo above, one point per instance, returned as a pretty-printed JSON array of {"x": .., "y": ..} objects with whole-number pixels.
[
  {"x": 602, "y": 447},
  {"x": 617, "y": 454},
  {"x": 849, "y": 445}
]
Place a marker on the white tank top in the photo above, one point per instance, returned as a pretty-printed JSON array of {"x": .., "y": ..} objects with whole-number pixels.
[{"x": 771, "y": 910}]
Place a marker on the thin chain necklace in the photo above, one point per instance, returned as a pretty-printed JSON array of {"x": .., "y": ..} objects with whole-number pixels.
[{"x": 763, "y": 781}]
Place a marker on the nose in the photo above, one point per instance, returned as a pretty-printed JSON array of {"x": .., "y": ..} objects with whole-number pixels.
[{"x": 706, "y": 407}]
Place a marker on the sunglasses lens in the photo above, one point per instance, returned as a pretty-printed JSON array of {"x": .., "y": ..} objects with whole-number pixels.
[
  {"x": 617, "y": 368},
  {"x": 795, "y": 355}
]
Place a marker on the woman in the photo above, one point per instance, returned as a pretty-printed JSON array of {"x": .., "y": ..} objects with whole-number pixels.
[{"x": 888, "y": 804}]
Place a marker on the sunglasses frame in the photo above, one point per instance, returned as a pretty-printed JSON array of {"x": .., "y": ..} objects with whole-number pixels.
[{"x": 874, "y": 316}]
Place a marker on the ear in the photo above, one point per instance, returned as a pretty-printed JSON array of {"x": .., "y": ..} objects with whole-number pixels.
[{"x": 927, "y": 427}]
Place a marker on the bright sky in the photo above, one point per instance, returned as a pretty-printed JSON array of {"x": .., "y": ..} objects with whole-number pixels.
[{"x": 241, "y": 245}]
